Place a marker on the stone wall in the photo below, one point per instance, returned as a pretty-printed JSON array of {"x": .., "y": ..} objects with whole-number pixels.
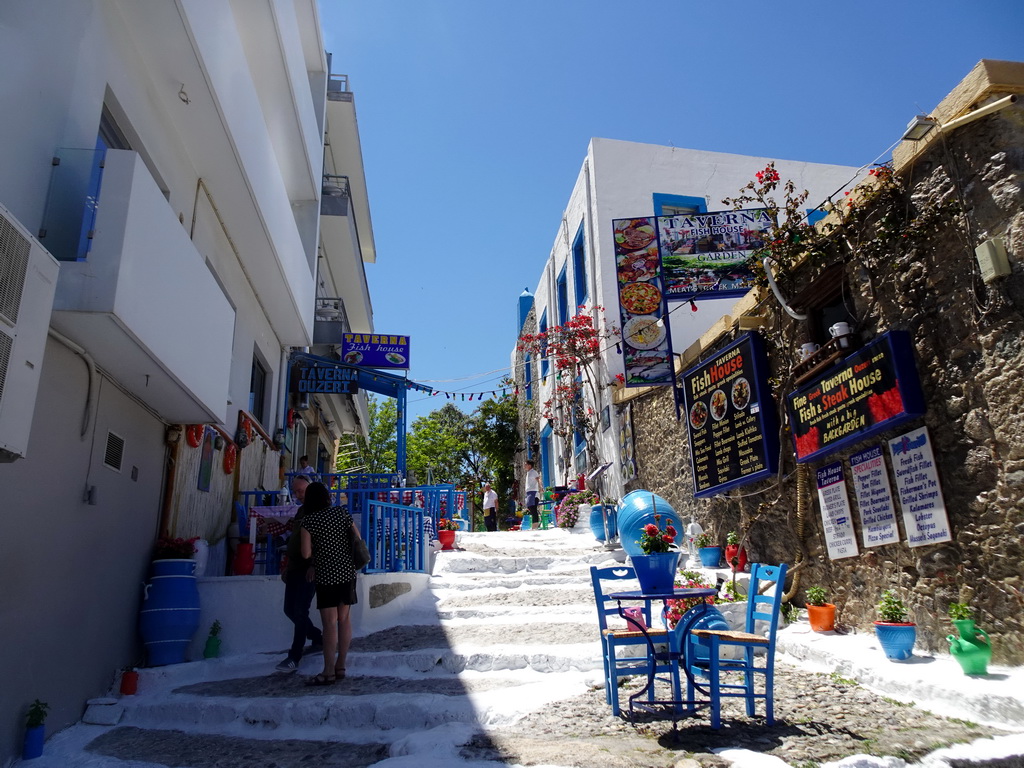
[{"x": 968, "y": 341}]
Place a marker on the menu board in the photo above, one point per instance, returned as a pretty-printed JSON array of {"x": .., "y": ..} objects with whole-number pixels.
[
  {"x": 708, "y": 252},
  {"x": 730, "y": 418},
  {"x": 647, "y": 345},
  {"x": 874, "y": 497},
  {"x": 836, "y": 517},
  {"x": 375, "y": 350},
  {"x": 871, "y": 391},
  {"x": 917, "y": 482}
]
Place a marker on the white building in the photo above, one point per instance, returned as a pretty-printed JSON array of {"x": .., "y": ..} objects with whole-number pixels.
[
  {"x": 621, "y": 179},
  {"x": 162, "y": 252}
]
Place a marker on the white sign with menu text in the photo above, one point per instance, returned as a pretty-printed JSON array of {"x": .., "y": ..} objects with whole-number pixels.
[
  {"x": 835, "y": 512},
  {"x": 874, "y": 498},
  {"x": 917, "y": 482}
]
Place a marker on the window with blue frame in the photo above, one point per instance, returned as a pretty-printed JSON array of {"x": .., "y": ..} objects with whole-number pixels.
[
  {"x": 563, "y": 297},
  {"x": 670, "y": 205},
  {"x": 814, "y": 215},
  {"x": 579, "y": 266},
  {"x": 545, "y": 456},
  {"x": 544, "y": 365},
  {"x": 528, "y": 375}
]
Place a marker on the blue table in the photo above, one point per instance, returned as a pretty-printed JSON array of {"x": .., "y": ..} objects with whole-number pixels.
[{"x": 678, "y": 654}]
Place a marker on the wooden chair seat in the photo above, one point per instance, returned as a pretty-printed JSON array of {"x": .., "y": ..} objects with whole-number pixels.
[
  {"x": 627, "y": 634},
  {"x": 732, "y": 636}
]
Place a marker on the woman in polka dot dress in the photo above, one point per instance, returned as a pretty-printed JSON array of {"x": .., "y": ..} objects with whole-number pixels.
[{"x": 327, "y": 533}]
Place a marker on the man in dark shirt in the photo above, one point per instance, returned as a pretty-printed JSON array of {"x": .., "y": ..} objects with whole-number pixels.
[{"x": 299, "y": 588}]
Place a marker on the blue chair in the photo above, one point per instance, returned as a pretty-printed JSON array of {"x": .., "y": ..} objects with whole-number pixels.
[
  {"x": 636, "y": 660},
  {"x": 757, "y": 649}
]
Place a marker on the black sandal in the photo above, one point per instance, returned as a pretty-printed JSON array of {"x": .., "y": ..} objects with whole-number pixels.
[
  {"x": 339, "y": 673},
  {"x": 319, "y": 680}
]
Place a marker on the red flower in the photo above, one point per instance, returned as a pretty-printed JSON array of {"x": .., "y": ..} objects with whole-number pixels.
[{"x": 651, "y": 529}]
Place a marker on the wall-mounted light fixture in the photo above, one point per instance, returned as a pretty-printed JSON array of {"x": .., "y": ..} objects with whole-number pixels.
[{"x": 919, "y": 127}]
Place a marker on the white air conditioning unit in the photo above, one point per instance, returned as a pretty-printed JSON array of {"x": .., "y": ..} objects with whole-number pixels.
[{"x": 28, "y": 280}]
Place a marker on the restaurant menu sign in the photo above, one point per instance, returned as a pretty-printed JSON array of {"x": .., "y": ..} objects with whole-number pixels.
[
  {"x": 836, "y": 516},
  {"x": 730, "y": 418},
  {"x": 873, "y": 390},
  {"x": 917, "y": 482},
  {"x": 324, "y": 379},
  {"x": 375, "y": 350},
  {"x": 708, "y": 252},
  {"x": 874, "y": 498},
  {"x": 647, "y": 346}
]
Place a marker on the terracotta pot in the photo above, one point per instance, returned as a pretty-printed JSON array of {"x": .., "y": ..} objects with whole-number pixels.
[
  {"x": 822, "y": 617},
  {"x": 447, "y": 539}
]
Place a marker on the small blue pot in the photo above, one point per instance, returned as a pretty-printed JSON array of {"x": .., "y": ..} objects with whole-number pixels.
[
  {"x": 897, "y": 640},
  {"x": 656, "y": 572},
  {"x": 710, "y": 557},
  {"x": 33, "y": 745}
]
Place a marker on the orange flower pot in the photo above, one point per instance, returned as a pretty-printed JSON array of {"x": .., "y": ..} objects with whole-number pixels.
[{"x": 822, "y": 617}]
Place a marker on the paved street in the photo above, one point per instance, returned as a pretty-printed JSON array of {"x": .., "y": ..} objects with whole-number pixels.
[{"x": 501, "y": 665}]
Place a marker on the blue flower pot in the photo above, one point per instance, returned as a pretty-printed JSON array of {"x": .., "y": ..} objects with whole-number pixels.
[
  {"x": 897, "y": 640},
  {"x": 710, "y": 557},
  {"x": 656, "y": 572},
  {"x": 33, "y": 744}
]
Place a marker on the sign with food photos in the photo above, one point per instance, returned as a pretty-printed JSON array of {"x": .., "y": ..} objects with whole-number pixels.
[
  {"x": 730, "y": 418},
  {"x": 873, "y": 390},
  {"x": 375, "y": 350},
  {"x": 647, "y": 346},
  {"x": 707, "y": 253}
]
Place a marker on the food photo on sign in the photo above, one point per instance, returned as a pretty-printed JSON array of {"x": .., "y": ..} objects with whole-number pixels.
[{"x": 647, "y": 352}]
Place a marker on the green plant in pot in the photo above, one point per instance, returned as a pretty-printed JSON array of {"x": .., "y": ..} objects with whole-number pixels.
[
  {"x": 710, "y": 554},
  {"x": 972, "y": 649},
  {"x": 895, "y": 634},
  {"x": 35, "y": 729},
  {"x": 212, "y": 649},
  {"x": 820, "y": 612}
]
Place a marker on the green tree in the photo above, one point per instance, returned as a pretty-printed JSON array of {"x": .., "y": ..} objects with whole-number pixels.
[
  {"x": 437, "y": 446},
  {"x": 496, "y": 438},
  {"x": 377, "y": 452}
]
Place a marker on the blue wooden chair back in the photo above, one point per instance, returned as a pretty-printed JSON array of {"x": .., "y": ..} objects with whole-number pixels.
[
  {"x": 606, "y": 607},
  {"x": 762, "y": 607}
]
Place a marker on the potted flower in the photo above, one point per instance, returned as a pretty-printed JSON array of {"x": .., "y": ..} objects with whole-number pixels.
[
  {"x": 972, "y": 649},
  {"x": 568, "y": 512},
  {"x": 710, "y": 555},
  {"x": 446, "y": 529},
  {"x": 735, "y": 555},
  {"x": 35, "y": 730},
  {"x": 174, "y": 556},
  {"x": 820, "y": 612},
  {"x": 656, "y": 567},
  {"x": 212, "y": 649},
  {"x": 895, "y": 634}
]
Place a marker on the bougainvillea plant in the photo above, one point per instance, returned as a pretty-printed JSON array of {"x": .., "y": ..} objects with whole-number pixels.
[
  {"x": 574, "y": 350},
  {"x": 568, "y": 511}
]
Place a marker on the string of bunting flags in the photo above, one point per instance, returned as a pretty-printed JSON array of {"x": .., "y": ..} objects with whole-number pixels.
[{"x": 461, "y": 396}]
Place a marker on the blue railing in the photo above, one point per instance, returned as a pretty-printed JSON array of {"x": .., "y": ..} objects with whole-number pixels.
[{"x": 397, "y": 523}]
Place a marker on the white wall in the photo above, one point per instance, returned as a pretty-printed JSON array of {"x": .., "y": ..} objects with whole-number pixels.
[{"x": 617, "y": 180}]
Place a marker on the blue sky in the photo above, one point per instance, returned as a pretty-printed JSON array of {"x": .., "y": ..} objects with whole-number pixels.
[{"x": 475, "y": 115}]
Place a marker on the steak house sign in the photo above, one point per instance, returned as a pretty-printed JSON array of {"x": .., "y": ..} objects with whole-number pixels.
[{"x": 871, "y": 391}]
